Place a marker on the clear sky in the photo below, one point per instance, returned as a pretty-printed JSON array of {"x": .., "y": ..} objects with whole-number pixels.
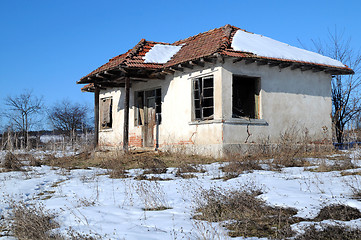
[{"x": 48, "y": 45}]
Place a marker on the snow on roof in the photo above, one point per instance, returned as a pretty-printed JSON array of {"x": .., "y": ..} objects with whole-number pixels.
[
  {"x": 161, "y": 53},
  {"x": 267, "y": 47}
]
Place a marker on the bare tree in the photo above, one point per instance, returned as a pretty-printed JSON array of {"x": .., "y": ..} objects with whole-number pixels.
[
  {"x": 68, "y": 117},
  {"x": 22, "y": 112},
  {"x": 346, "y": 101}
]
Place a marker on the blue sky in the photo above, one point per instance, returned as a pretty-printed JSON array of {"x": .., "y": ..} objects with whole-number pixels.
[{"x": 47, "y": 45}]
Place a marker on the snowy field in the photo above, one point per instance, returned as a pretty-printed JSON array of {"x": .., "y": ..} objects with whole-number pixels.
[{"x": 89, "y": 201}]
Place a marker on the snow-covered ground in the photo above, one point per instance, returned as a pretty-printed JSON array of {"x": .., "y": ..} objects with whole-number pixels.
[{"x": 91, "y": 202}]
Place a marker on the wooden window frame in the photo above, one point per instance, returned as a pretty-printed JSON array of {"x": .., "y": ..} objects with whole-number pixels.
[
  {"x": 106, "y": 113},
  {"x": 203, "y": 98},
  {"x": 139, "y": 100}
]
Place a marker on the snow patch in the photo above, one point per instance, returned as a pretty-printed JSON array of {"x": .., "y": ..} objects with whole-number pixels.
[
  {"x": 267, "y": 47},
  {"x": 161, "y": 53}
]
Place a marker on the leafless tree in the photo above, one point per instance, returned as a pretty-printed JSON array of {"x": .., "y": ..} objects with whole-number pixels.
[
  {"x": 346, "y": 101},
  {"x": 68, "y": 117},
  {"x": 22, "y": 112}
]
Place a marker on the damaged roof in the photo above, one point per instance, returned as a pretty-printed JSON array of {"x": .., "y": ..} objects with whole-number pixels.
[{"x": 226, "y": 41}]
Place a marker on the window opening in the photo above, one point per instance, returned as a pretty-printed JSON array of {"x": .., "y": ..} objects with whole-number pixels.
[
  {"x": 245, "y": 97},
  {"x": 106, "y": 113},
  {"x": 141, "y": 101},
  {"x": 203, "y": 98}
]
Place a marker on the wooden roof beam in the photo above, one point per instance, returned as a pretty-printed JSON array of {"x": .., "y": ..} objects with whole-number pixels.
[
  {"x": 273, "y": 63},
  {"x": 207, "y": 59},
  {"x": 295, "y": 66},
  {"x": 167, "y": 71},
  {"x": 284, "y": 65},
  {"x": 196, "y": 63},
  {"x": 237, "y": 60},
  {"x": 249, "y": 61},
  {"x": 261, "y": 62},
  {"x": 316, "y": 69},
  {"x": 186, "y": 65},
  {"x": 306, "y": 68},
  {"x": 177, "y": 68},
  {"x": 109, "y": 73}
]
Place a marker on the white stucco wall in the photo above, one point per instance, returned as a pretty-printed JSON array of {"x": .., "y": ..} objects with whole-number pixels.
[{"x": 289, "y": 99}]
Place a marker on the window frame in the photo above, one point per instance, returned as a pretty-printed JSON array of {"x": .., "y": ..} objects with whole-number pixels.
[
  {"x": 103, "y": 124},
  {"x": 199, "y": 100},
  {"x": 157, "y": 106}
]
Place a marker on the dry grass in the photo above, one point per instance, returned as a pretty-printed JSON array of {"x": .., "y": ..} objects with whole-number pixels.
[
  {"x": 133, "y": 159},
  {"x": 185, "y": 170},
  {"x": 338, "y": 212},
  {"x": 32, "y": 222},
  {"x": 245, "y": 214},
  {"x": 151, "y": 178},
  {"x": 338, "y": 165},
  {"x": 152, "y": 195},
  {"x": 11, "y": 163},
  {"x": 242, "y": 163},
  {"x": 355, "y": 173},
  {"x": 330, "y": 232}
]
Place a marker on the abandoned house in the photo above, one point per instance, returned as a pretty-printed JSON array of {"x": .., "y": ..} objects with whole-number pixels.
[{"x": 212, "y": 93}]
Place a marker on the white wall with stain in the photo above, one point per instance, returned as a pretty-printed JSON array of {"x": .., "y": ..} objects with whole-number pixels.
[{"x": 288, "y": 99}]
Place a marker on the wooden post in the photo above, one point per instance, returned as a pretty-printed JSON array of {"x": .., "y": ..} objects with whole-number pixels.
[
  {"x": 96, "y": 116},
  {"x": 126, "y": 115}
]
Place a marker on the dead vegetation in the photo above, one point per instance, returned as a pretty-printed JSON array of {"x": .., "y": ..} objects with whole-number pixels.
[
  {"x": 244, "y": 214},
  {"x": 152, "y": 195},
  {"x": 185, "y": 170},
  {"x": 11, "y": 163},
  {"x": 240, "y": 164},
  {"x": 33, "y": 222},
  {"x": 337, "y": 165},
  {"x": 338, "y": 212},
  {"x": 330, "y": 232}
]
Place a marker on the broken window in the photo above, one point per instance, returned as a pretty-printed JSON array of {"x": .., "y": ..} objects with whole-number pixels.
[
  {"x": 149, "y": 99},
  {"x": 139, "y": 113},
  {"x": 245, "y": 97},
  {"x": 106, "y": 105},
  {"x": 203, "y": 98}
]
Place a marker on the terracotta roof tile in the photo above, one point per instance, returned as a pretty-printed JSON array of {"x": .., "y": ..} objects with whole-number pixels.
[{"x": 201, "y": 45}]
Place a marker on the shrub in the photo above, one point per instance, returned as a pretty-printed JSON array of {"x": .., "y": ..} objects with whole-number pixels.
[
  {"x": 33, "y": 222},
  {"x": 245, "y": 214},
  {"x": 12, "y": 163},
  {"x": 243, "y": 163},
  {"x": 152, "y": 195}
]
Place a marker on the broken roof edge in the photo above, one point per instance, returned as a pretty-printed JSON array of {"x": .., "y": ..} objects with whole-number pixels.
[
  {"x": 246, "y": 55},
  {"x": 224, "y": 28}
]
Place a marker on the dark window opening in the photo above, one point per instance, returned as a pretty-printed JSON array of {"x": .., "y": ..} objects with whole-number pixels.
[
  {"x": 106, "y": 113},
  {"x": 158, "y": 105},
  {"x": 142, "y": 100},
  {"x": 203, "y": 98},
  {"x": 139, "y": 101},
  {"x": 245, "y": 97}
]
